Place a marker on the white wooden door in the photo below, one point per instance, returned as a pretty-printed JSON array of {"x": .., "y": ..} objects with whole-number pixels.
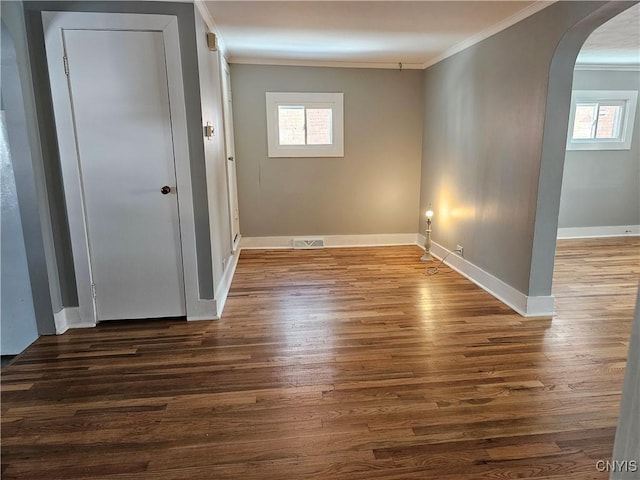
[
  {"x": 119, "y": 95},
  {"x": 232, "y": 180}
]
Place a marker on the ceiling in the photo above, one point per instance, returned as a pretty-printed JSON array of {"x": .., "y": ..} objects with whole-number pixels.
[
  {"x": 616, "y": 42},
  {"x": 359, "y": 33},
  {"x": 383, "y": 34}
]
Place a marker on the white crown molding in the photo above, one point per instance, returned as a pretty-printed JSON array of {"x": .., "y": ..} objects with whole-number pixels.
[
  {"x": 612, "y": 67},
  {"x": 599, "y": 232},
  {"x": 320, "y": 63},
  {"x": 331, "y": 241},
  {"x": 541, "y": 306},
  {"x": 492, "y": 30}
]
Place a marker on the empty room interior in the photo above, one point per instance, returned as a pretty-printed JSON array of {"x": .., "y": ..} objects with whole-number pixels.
[{"x": 320, "y": 239}]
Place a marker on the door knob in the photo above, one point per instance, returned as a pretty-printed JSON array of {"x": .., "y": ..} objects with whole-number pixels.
[{"x": 166, "y": 189}]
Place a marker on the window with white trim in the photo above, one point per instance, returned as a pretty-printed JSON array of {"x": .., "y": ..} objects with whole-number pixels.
[
  {"x": 305, "y": 124},
  {"x": 601, "y": 120}
]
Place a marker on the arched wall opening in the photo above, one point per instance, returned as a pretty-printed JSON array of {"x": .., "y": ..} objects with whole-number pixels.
[{"x": 554, "y": 144}]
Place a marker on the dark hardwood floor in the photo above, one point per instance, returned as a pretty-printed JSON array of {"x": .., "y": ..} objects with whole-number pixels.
[{"x": 337, "y": 364}]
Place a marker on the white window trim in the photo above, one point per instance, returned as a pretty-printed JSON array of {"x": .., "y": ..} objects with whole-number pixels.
[
  {"x": 330, "y": 100},
  {"x": 630, "y": 97}
]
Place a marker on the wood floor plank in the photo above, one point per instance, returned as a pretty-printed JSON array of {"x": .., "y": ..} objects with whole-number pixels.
[{"x": 337, "y": 363}]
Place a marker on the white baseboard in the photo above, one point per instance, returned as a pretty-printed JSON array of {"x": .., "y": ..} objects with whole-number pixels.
[
  {"x": 213, "y": 308},
  {"x": 598, "y": 232},
  {"x": 69, "y": 317},
  {"x": 223, "y": 289},
  {"x": 526, "y": 306},
  {"x": 249, "y": 243},
  {"x": 332, "y": 241},
  {"x": 205, "y": 309},
  {"x": 61, "y": 322},
  {"x": 540, "y": 306}
]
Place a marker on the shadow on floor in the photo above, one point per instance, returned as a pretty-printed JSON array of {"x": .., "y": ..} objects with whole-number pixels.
[{"x": 6, "y": 360}]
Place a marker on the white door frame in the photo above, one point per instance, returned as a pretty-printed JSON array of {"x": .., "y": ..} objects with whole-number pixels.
[
  {"x": 54, "y": 23},
  {"x": 229, "y": 141}
]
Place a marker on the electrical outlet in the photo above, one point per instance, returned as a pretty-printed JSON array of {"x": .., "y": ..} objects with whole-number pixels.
[{"x": 460, "y": 250}]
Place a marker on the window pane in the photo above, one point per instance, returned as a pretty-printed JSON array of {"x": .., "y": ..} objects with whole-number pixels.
[
  {"x": 319, "y": 126},
  {"x": 608, "y": 121},
  {"x": 291, "y": 125},
  {"x": 584, "y": 121}
]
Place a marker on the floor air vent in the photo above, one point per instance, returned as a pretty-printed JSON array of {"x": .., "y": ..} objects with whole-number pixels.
[{"x": 302, "y": 243}]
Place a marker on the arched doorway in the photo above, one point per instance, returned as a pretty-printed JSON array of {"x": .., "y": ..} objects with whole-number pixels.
[
  {"x": 554, "y": 144},
  {"x": 558, "y": 105}
]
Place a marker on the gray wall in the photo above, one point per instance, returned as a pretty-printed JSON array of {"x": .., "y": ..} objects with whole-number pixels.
[
  {"x": 55, "y": 194},
  {"x": 373, "y": 189},
  {"x": 31, "y": 235},
  {"x": 17, "y": 318},
  {"x": 485, "y": 111},
  {"x": 602, "y": 187}
]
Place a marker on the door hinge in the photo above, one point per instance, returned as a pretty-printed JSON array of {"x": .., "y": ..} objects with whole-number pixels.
[
  {"x": 65, "y": 62},
  {"x": 93, "y": 290}
]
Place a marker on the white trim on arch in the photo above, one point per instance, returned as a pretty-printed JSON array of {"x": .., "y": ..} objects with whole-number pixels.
[{"x": 54, "y": 23}]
